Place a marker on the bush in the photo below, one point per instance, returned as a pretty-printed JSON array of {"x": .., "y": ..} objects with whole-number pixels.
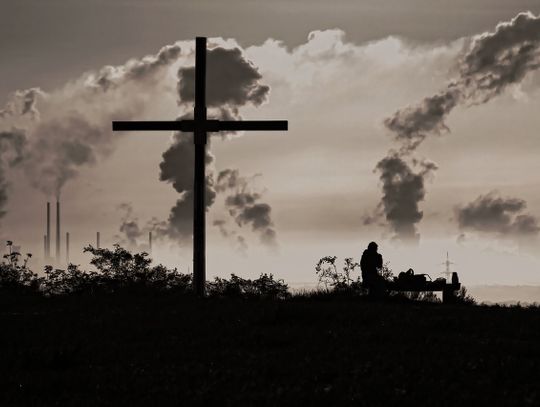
[
  {"x": 236, "y": 287},
  {"x": 462, "y": 297},
  {"x": 16, "y": 278},
  {"x": 117, "y": 270}
]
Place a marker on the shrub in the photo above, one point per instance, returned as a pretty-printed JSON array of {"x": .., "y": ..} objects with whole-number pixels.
[
  {"x": 237, "y": 287},
  {"x": 17, "y": 278},
  {"x": 462, "y": 297},
  {"x": 339, "y": 280}
]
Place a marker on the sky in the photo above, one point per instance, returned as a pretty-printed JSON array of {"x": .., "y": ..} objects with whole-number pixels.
[{"x": 412, "y": 123}]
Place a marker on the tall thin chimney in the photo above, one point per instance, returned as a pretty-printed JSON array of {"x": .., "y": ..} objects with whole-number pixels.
[
  {"x": 150, "y": 242},
  {"x": 97, "y": 240},
  {"x": 45, "y": 247},
  {"x": 48, "y": 244},
  {"x": 57, "y": 232},
  {"x": 67, "y": 247}
]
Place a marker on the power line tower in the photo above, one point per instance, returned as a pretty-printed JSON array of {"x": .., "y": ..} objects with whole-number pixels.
[{"x": 447, "y": 273}]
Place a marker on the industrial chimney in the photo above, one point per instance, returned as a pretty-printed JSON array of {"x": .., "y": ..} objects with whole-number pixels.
[
  {"x": 48, "y": 240},
  {"x": 149, "y": 242},
  {"x": 97, "y": 240},
  {"x": 58, "y": 232},
  {"x": 67, "y": 247}
]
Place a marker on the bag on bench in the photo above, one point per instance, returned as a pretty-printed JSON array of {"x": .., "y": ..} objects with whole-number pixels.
[{"x": 410, "y": 279}]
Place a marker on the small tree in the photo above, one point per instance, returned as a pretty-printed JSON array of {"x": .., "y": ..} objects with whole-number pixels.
[
  {"x": 462, "y": 297},
  {"x": 329, "y": 275},
  {"x": 326, "y": 271}
]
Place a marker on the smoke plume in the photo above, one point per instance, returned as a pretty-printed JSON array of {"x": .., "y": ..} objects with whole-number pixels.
[
  {"x": 232, "y": 82},
  {"x": 497, "y": 215},
  {"x": 69, "y": 128},
  {"x": 245, "y": 207},
  {"x": 403, "y": 190},
  {"x": 11, "y": 150},
  {"x": 492, "y": 62},
  {"x": 238, "y": 240}
]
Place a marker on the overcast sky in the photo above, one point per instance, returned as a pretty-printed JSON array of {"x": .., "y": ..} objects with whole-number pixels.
[{"x": 336, "y": 71}]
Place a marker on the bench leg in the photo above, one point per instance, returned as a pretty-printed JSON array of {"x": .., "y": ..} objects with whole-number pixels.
[{"x": 448, "y": 296}]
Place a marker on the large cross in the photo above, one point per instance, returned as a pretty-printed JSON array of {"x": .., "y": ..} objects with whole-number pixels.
[{"x": 200, "y": 126}]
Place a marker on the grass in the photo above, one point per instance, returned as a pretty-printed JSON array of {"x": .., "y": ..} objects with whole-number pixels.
[{"x": 313, "y": 350}]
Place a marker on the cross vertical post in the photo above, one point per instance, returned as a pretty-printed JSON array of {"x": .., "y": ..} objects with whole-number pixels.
[{"x": 199, "y": 181}]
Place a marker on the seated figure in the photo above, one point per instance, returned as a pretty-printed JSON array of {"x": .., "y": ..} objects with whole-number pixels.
[{"x": 370, "y": 264}]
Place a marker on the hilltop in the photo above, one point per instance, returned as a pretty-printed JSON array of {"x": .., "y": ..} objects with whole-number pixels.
[{"x": 168, "y": 350}]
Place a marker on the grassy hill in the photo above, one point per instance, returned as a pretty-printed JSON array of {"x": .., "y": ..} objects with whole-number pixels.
[{"x": 164, "y": 349}]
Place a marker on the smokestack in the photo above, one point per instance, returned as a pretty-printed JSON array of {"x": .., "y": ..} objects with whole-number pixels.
[
  {"x": 57, "y": 232},
  {"x": 45, "y": 246},
  {"x": 150, "y": 242},
  {"x": 97, "y": 240},
  {"x": 67, "y": 247},
  {"x": 48, "y": 244}
]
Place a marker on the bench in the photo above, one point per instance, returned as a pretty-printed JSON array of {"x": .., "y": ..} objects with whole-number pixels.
[{"x": 448, "y": 290}]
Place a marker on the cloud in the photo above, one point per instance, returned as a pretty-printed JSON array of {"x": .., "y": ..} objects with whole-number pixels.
[
  {"x": 11, "y": 149},
  {"x": 22, "y": 103},
  {"x": 492, "y": 62},
  {"x": 232, "y": 82},
  {"x": 133, "y": 235},
  {"x": 413, "y": 124},
  {"x": 245, "y": 207},
  {"x": 403, "y": 189},
  {"x": 70, "y": 127},
  {"x": 496, "y": 215},
  {"x": 238, "y": 240}
]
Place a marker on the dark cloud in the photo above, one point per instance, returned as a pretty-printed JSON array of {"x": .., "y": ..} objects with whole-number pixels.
[
  {"x": 63, "y": 147},
  {"x": 500, "y": 58},
  {"x": 177, "y": 167},
  {"x": 12, "y": 144},
  {"x": 403, "y": 190},
  {"x": 492, "y": 62},
  {"x": 245, "y": 207},
  {"x": 231, "y": 80},
  {"x": 71, "y": 127},
  {"x": 494, "y": 214},
  {"x": 412, "y": 125}
]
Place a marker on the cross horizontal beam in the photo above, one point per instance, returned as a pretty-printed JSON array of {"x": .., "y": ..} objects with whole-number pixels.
[{"x": 207, "y": 125}]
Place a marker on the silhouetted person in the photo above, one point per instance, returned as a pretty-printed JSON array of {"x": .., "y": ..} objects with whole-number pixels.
[{"x": 370, "y": 264}]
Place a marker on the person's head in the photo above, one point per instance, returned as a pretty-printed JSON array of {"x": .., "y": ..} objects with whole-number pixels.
[{"x": 373, "y": 247}]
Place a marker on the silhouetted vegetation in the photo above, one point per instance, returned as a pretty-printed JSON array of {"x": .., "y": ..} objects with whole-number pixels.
[
  {"x": 130, "y": 333},
  {"x": 120, "y": 271}
]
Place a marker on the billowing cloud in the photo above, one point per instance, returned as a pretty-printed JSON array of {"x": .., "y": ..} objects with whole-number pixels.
[
  {"x": 245, "y": 207},
  {"x": 69, "y": 128},
  {"x": 493, "y": 214},
  {"x": 412, "y": 125},
  {"x": 403, "y": 190},
  {"x": 22, "y": 103},
  {"x": 492, "y": 62},
  {"x": 232, "y": 82},
  {"x": 11, "y": 150},
  {"x": 134, "y": 235}
]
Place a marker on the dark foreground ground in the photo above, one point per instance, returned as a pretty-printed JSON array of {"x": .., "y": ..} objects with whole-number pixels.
[{"x": 169, "y": 351}]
